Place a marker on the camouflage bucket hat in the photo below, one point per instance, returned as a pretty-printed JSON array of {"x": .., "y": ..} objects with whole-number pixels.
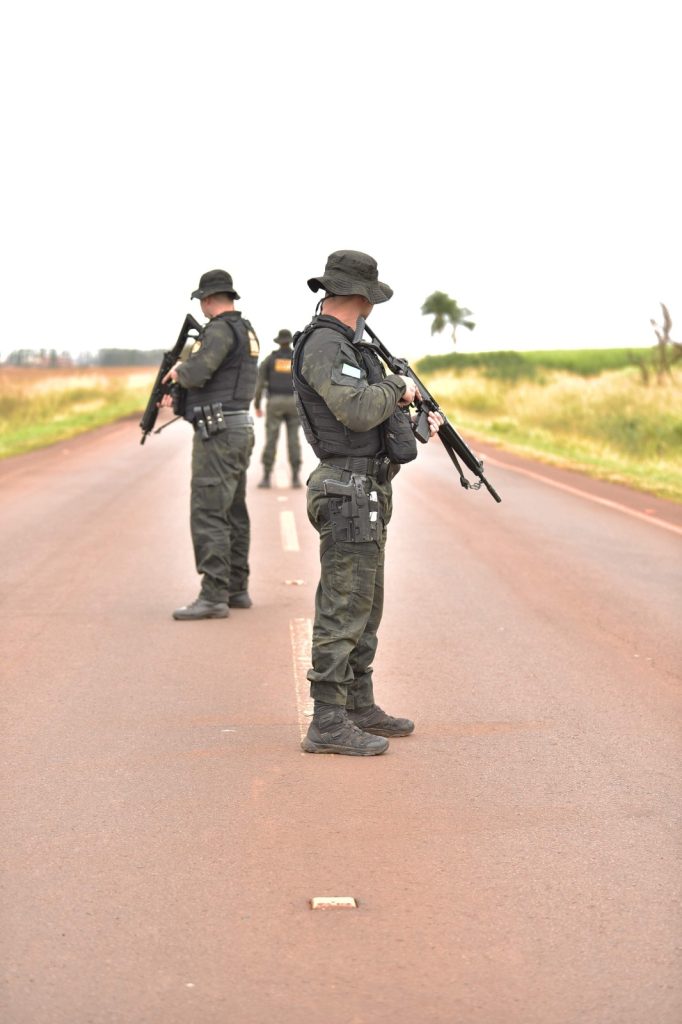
[
  {"x": 215, "y": 282},
  {"x": 284, "y": 337},
  {"x": 352, "y": 273}
]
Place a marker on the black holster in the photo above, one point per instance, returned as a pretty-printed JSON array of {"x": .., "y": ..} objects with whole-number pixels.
[{"x": 353, "y": 513}]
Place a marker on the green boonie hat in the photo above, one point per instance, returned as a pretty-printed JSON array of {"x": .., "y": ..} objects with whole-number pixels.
[
  {"x": 283, "y": 336},
  {"x": 352, "y": 273},
  {"x": 215, "y": 282}
]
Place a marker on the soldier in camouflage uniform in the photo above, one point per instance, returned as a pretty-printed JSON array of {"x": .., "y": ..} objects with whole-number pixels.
[
  {"x": 274, "y": 376},
  {"x": 355, "y": 417},
  {"x": 220, "y": 379}
]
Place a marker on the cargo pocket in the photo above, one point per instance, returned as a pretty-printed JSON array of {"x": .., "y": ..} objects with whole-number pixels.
[{"x": 207, "y": 493}]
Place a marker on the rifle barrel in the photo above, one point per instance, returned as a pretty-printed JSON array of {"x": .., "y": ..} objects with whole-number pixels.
[{"x": 452, "y": 441}]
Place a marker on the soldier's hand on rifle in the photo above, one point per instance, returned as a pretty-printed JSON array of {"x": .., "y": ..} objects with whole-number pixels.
[
  {"x": 435, "y": 423},
  {"x": 166, "y": 402},
  {"x": 410, "y": 391},
  {"x": 259, "y": 413},
  {"x": 172, "y": 375}
]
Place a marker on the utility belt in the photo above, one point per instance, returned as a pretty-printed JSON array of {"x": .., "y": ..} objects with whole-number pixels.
[
  {"x": 377, "y": 467},
  {"x": 209, "y": 420}
]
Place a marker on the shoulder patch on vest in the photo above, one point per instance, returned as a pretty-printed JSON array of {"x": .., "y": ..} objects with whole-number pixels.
[
  {"x": 351, "y": 371},
  {"x": 195, "y": 347},
  {"x": 254, "y": 344}
]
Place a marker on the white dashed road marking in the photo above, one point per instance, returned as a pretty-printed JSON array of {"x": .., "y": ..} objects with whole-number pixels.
[
  {"x": 301, "y": 632},
  {"x": 287, "y": 525}
]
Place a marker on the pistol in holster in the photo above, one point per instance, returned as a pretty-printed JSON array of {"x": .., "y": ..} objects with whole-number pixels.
[{"x": 354, "y": 513}]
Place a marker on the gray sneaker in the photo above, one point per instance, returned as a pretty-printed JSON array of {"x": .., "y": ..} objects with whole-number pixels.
[
  {"x": 376, "y": 721},
  {"x": 202, "y": 609},
  {"x": 332, "y": 732}
]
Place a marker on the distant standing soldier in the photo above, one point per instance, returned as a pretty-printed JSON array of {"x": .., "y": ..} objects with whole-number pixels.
[
  {"x": 274, "y": 376},
  {"x": 220, "y": 379}
]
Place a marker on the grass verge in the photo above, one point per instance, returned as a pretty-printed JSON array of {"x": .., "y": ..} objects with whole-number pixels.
[
  {"x": 610, "y": 426},
  {"x": 40, "y": 407}
]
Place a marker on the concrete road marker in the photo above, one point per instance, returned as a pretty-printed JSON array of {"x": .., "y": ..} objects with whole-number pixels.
[{"x": 333, "y": 903}]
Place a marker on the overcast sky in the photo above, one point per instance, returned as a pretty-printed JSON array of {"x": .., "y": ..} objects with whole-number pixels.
[{"x": 523, "y": 157}]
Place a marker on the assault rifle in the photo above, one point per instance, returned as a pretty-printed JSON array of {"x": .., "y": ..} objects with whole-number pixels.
[
  {"x": 169, "y": 360},
  {"x": 455, "y": 446}
]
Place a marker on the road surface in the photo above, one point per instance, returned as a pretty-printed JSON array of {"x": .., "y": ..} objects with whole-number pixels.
[{"x": 515, "y": 861}]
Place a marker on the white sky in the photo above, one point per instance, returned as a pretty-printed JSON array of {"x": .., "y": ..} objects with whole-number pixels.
[{"x": 523, "y": 157}]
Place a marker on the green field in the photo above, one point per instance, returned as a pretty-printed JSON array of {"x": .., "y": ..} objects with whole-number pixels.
[
  {"x": 587, "y": 410},
  {"x": 587, "y": 362}
]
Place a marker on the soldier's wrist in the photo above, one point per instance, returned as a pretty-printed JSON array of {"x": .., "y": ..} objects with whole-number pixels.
[{"x": 397, "y": 382}]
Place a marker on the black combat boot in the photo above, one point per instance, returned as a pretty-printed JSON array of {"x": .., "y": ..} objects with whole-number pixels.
[
  {"x": 202, "y": 609},
  {"x": 332, "y": 732},
  {"x": 295, "y": 479},
  {"x": 376, "y": 721},
  {"x": 265, "y": 482},
  {"x": 240, "y": 600}
]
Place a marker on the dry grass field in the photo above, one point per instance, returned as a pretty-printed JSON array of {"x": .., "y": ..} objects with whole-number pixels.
[
  {"x": 41, "y": 406},
  {"x": 608, "y": 424}
]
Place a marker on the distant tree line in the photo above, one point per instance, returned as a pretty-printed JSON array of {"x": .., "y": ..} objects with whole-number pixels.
[
  {"x": 45, "y": 358},
  {"x": 50, "y": 359},
  {"x": 129, "y": 357}
]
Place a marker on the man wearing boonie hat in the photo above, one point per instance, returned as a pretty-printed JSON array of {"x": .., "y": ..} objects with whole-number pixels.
[
  {"x": 220, "y": 379},
  {"x": 356, "y": 420},
  {"x": 274, "y": 376}
]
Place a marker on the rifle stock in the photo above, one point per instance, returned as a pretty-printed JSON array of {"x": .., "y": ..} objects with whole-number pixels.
[
  {"x": 454, "y": 444},
  {"x": 159, "y": 389}
]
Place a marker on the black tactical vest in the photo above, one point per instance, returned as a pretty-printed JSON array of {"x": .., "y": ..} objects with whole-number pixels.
[
  {"x": 324, "y": 433},
  {"x": 234, "y": 382},
  {"x": 279, "y": 372}
]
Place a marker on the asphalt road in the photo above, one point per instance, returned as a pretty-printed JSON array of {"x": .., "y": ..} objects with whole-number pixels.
[{"x": 515, "y": 861}]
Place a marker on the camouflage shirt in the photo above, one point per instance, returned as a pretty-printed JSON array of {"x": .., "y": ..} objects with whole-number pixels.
[
  {"x": 332, "y": 368},
  {"x": 208, "y": 352}
]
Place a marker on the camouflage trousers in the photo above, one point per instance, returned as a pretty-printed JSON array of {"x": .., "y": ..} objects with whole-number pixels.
[
  {"x": 349, "y": 600},
  {"x": 281, "y": 409},
  {"x": 219, "y": 519}
]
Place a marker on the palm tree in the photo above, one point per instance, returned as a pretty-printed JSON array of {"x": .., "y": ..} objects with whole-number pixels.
[{"x": 444, "y": 311}]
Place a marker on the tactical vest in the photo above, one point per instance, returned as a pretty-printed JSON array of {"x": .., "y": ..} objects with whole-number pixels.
[
  {"x": 323, "y": 432},
  {"x": 234, "y": 382},
  {"x": 279, "y": 372}
]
